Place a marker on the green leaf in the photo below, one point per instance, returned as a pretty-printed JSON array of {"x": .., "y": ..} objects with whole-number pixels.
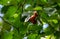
[
  {"x": 10, "y": 12},
  {"x": 55, "y": 21},
  {"x": 16, "y": 35},
  {"x": 23, "y": 28},
  {"x": 49, "y": 30},
  {"x": 8, "y": 35},
  {"x": 15, "y": 15},
  {"x": 30, "y": 2},
  {"x": 34, "y": 27},
  {"x": 4, "y": 2},
  {"x": 6, "y": 26},
  {"x": 38, "y": 8},
  {"x": 32, "y": 36},
  {"x": 4, "y": 10},
  {"x": 44, "y": 1},
  {"x": 14, "y": 2},
  {"x": 48, "y": 37}
]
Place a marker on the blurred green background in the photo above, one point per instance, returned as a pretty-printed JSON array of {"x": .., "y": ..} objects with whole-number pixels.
[{"x": 15, "y": 24}]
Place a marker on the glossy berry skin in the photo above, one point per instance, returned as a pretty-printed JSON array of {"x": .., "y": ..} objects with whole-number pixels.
[{"x": 33, "y": 17}]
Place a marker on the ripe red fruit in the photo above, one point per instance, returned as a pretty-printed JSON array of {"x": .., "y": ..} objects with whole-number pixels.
[{"x": 33, "y": 17}]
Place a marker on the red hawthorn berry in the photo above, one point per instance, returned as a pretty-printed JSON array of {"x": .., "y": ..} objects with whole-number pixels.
[{"x": 33, "y": 17}]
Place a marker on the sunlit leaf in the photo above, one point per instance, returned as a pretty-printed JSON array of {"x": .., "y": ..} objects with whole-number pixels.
[
  {"x": 38, "y": 8},
  {"x": 55, "y": 21},
  {"x": 15, "y": 15}
]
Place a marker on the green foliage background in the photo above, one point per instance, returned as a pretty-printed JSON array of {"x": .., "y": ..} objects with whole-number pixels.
[{"x": 14, "y": 27}]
